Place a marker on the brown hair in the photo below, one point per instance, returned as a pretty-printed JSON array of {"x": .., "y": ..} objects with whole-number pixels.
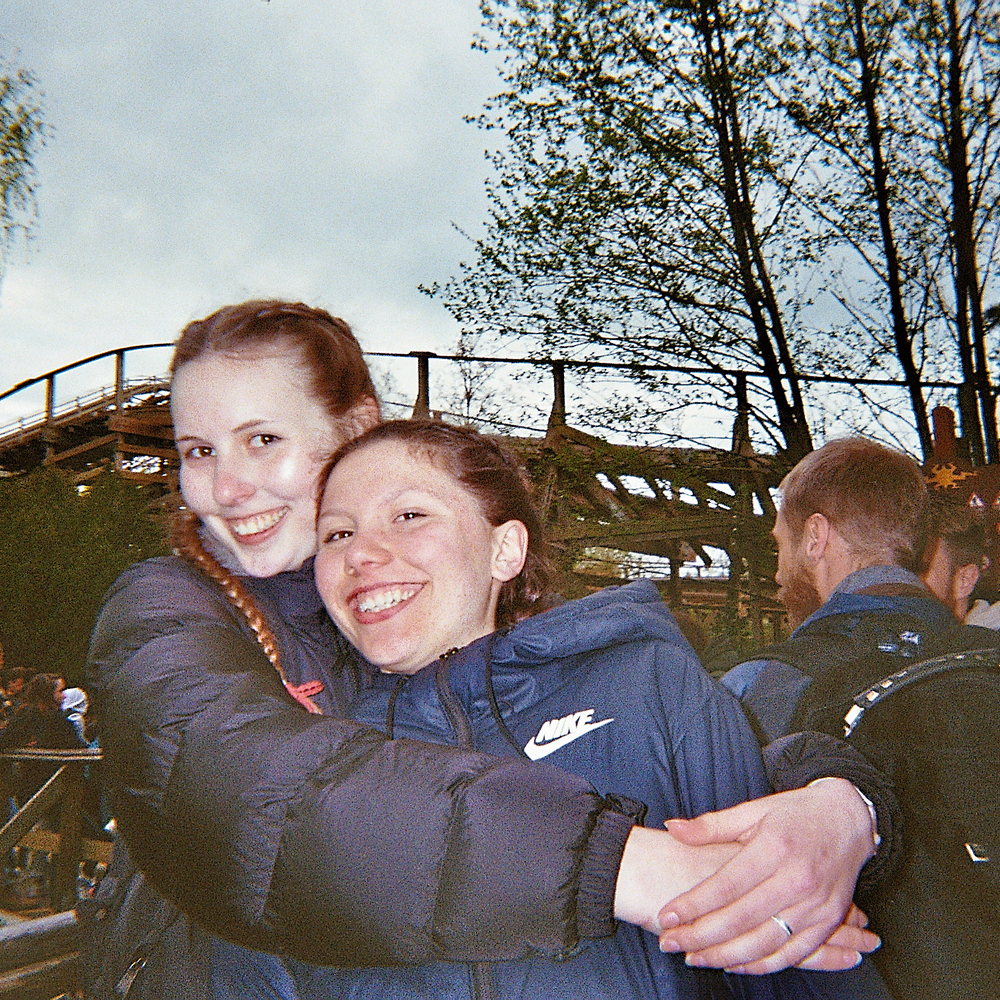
[
  {"x": 338, "y": 378},
  {"x": 40, "y": 691},
  {"x": 960, "y": 528},
  {"x": 875, "y": 497},
  {"x": 495, "y": 477},
  {"x": 328, "y": 350}
]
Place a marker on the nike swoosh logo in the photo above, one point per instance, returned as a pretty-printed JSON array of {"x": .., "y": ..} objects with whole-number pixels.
[{"x": 536, "y": 752}]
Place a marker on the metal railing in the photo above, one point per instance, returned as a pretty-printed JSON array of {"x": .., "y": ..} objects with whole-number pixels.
[
  {"x": 730, "y": 390},
  {"x": 40, "y": 957},
  {"x": 122, "y": 389}
]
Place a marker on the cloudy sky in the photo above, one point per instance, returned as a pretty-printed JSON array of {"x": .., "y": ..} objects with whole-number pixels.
[{"x": 206, "y": 151}]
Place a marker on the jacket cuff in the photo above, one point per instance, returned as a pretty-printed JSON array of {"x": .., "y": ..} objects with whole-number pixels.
[
  {"x": 794, "y": 761},
  {"x": 595, "y": 906}
]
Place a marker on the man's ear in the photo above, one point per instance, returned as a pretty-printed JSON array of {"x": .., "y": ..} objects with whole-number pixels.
[
  {"x": 510, "y": 549},
  {"x": 816, "y": 536}
]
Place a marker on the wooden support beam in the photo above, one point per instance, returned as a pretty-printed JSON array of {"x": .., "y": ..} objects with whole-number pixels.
[{"x": 80, "y": 449}]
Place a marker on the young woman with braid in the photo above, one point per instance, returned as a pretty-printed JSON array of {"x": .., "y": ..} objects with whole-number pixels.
[{"x": 247, "y": 799}]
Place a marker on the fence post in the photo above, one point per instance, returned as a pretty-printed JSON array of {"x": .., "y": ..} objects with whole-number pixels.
[
  {"x": 741, "y": 422},
  {"x": 49, "y": 434},
  {"x": 557, "y": 418},
  {"x": 62, "y": 891},
  {"x": 422, "y": 407},
  {"x": 119, "y": 401}
]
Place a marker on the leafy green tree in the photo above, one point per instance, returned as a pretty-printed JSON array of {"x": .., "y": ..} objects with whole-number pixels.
[
  {"x": 762, "y": 186},
  {"x": 22, "y": 134},
  {"x": 963, "y": 65},
  {"x": 61, "y": 548},
  {"x": 633, "y": 217},
  {"x": 900, "y": 101}
]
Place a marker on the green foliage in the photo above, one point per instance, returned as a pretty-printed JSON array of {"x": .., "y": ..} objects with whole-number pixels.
[
  {"x": 22, "y": 134},
  {"x": 762, "y": 185},
  {"x": 614, "y": 232},
  {"x": 60, "y": 550}
]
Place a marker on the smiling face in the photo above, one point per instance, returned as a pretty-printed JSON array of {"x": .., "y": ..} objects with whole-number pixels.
[
  {"x": 407, "y": 564},
  {"x": 252, "y": 442}
]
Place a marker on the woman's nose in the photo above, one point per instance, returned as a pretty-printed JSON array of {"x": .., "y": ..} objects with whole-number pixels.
[
  {"x": 365, "y": 550},
  {"x": 231, "y": 485}
]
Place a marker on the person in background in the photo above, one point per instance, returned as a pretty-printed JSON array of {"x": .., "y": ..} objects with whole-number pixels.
[
  {"x": 39, "y": 722},
  {"x": 955, "y": 555},
  {"x": 12, "y": 682},
  {"x": 74, "y": 707},
  {"x": 849, "y": 531}
]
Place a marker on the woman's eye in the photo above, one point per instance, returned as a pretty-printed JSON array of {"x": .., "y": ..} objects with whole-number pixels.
[
  {"x": 337, "y": 535},
  {"x": 262, "y": 440},
  {"x": 410, "y": 515},
  {"x": 197, "y": 451}
]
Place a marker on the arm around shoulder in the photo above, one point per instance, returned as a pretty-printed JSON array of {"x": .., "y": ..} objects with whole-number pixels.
[{"x": 281, "y": 829}]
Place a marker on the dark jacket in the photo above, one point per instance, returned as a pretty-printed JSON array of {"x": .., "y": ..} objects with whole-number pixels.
[
  {"x": 279, "y": 828},
  {"x": 605, "y": 687},
  {"x": 881, "y": 620},
  {"x": 772, "y": 689}
]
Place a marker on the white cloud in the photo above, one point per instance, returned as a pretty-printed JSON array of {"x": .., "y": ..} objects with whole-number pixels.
[{"x": 210, "y": 150}]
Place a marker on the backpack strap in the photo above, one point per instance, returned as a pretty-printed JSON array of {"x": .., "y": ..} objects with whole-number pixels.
[{"x": 988, "y": 659}]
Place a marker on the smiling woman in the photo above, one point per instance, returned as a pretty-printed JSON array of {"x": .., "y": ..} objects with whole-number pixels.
[
  {"x": 259, "y": 401},
  {"x": 407, "y": 565},
  {"x": 422, "y": 528},
  {"x": 252, "y": 814},
  {"x": 268, "y": 824},
  {"x": 249, "y": 461}
]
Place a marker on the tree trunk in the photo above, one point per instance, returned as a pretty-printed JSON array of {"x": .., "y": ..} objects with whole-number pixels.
[
  {"x": 900, "y": 329},
  {"x": 758, "y": 292},
  {"x": 979, "y": 428}
]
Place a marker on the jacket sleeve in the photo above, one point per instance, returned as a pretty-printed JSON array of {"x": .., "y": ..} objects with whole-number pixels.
[
  {"x": 769, "y": 691},
  {"x": 284, "y": 830}
]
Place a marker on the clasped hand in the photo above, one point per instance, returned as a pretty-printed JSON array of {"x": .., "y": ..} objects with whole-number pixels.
[{"x": 794, "y": 856}]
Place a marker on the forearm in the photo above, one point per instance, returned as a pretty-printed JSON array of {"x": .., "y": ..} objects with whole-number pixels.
[
  {"x": 487, "y": 868},
  {"x": 390, "y": 852},
  {"x": 656, "y": 867}
]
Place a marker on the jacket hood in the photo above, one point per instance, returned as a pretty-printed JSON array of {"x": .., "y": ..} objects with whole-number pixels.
[
  {"x": 517, "y": 668},
  {"x": 855, "y": 599},
  {"x": 609, "y": 617},
  {"x": 293, "y": 591}
]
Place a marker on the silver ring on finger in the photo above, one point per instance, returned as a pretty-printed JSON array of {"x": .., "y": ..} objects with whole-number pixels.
[{"x": 783, "y": 924}]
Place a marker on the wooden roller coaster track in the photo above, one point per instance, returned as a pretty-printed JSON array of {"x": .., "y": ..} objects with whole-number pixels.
[{"x": 606, "y": 504}]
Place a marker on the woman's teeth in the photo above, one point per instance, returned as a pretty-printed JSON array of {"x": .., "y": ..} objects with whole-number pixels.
[
  {"x": 382, "y": 599},
  {"x": 256, "y": 524}
]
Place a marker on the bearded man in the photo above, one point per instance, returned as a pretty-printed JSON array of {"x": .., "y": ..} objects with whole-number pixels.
[{"x": 849, "y": 532}]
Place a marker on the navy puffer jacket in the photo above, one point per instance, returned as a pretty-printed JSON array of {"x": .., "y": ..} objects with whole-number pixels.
[
  {"x": 281, "y": 829},
  {"x": 606, "y": 687}
]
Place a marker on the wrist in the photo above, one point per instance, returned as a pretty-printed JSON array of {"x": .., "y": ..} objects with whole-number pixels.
[
  {"x": 856, "y": 796},
  {"x": 601, "y": 868},
  {"x": 656, "y": 868}
]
